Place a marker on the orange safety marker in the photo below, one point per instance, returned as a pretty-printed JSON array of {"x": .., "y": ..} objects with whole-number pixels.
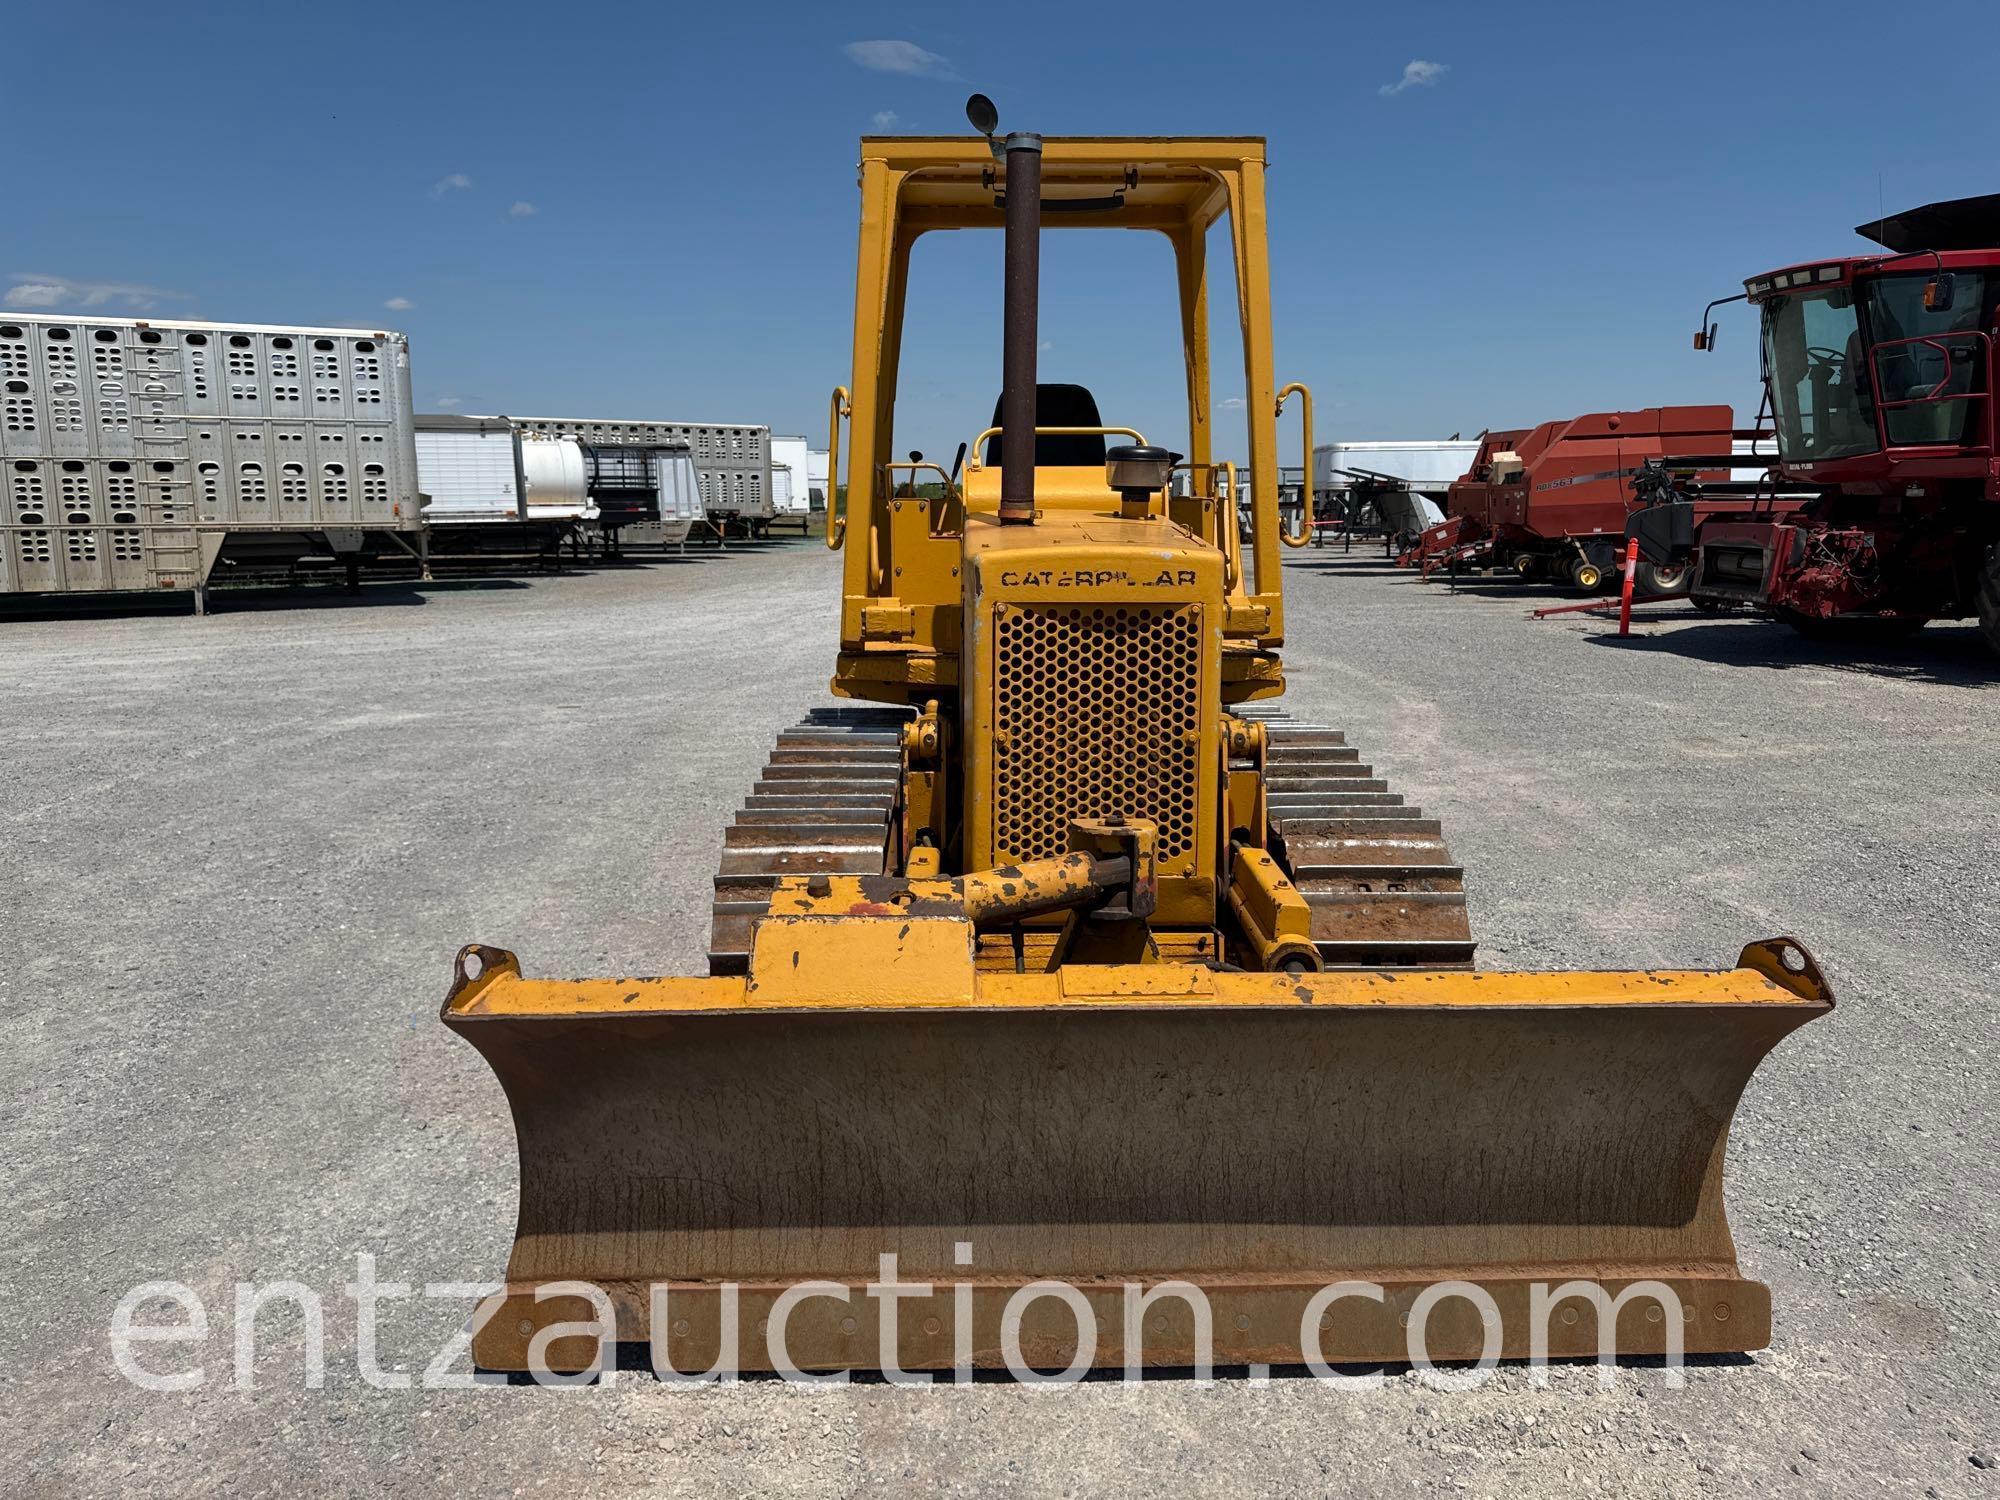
[{"x": 1625, "y": 600}]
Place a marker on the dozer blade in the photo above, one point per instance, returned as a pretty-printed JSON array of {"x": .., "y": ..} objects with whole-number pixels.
[{"x": 1259, "y": 1136}]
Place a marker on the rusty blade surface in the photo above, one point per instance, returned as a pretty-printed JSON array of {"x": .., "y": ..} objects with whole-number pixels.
[{"x": 1260, "y": 1151}]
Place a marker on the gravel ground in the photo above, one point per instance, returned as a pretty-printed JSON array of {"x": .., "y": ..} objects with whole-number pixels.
[{"x": 240, "y": 853}]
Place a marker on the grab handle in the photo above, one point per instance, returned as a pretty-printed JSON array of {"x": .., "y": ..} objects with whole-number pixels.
[
  {"x": 1305, "y": 474},
  {"x": 836, "y": 526}
]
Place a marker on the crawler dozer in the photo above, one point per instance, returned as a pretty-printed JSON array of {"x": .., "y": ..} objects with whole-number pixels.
[{"x": 1061, "y": 955}]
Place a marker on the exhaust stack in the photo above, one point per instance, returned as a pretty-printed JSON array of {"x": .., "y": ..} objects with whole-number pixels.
[{"x": 1022, "y": 195}]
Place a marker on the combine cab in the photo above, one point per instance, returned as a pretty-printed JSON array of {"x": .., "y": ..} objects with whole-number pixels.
[
  {"x": 1879, "y": 371},
  {"x": 1063, "y": 957}
]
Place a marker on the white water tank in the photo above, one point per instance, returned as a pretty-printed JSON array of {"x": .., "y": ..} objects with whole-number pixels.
[{"x": 552, "y": 474}]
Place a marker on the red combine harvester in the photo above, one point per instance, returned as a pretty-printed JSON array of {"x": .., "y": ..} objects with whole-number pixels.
[
  {"x": 1879, "y": 371},
  {"x": 1553, "y": 502}
]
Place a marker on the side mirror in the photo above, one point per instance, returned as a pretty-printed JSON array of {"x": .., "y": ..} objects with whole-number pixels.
[
  {"x": 1938, "y": 292},
  {"x": 1705, "y": 330}
]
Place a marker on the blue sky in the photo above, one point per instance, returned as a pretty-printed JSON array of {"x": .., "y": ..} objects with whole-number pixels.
[{"x": 649, "y": 211}]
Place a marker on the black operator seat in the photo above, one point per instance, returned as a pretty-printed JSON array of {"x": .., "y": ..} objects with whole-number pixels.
[{"x": 1059, "y": 406}]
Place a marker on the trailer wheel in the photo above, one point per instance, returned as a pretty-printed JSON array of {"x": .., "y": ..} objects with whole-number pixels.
[
  {"x": 1989, "y": 599},
  {"x": 1663, "y": 579},
  {"x": 1586, "y": 575},
  {"x": 1525, "y": 564}
]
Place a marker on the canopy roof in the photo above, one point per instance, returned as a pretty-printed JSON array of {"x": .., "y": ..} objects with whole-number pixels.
[
  {"x": 1955, "y": 224},
  {"x": 1088, "y": 182}
]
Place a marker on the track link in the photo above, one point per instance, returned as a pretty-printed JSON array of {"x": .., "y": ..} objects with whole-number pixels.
[
  {"x": 1384, "y": 890},
  {"x": 822, "y": 806}
]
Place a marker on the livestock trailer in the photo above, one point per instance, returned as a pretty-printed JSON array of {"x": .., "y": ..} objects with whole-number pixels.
[
  {"x": 732, "y": 460},
  {"x": 140, "y": 454}
]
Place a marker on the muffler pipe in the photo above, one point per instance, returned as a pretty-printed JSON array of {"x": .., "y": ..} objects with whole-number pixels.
[{"x": 1021, "y": 317}]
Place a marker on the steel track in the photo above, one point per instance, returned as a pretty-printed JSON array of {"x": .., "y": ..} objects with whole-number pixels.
[{"x": 1383, "y": 888}]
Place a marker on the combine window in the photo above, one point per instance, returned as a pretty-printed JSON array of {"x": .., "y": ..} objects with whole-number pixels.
[
  {"x": 1929, "y": 368},
  {"x": 1817, "y": 369}
]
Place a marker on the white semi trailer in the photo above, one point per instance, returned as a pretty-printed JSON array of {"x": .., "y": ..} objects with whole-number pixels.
[
  {"x": 140, "y": 454},
  {"x": 791, "y": 481},
  {"x": 1428, "y": 468},
  {"x": 817, "y": 463},
  {"x": 486, "y": 483},
  {"x": 1391, "y": 489}
]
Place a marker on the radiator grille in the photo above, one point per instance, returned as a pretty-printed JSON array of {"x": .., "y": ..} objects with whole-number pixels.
[{"x": 1097, "y": 711}]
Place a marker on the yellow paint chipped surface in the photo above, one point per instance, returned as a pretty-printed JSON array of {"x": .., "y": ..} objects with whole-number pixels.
[{"x": 504, "y": 993}]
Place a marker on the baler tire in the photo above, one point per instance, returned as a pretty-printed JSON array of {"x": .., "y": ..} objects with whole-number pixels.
[
  {"x": 1586, "y": 575},
  {"x": 1663, "y": 580}
]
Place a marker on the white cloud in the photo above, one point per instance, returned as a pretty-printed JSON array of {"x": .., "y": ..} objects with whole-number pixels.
[
  {"x": 885, "y": 119},
  {"x": 448, "y": 403},
  {"x": 522, "y": 209},
  {"x": 1416, "y": 74},
  {"x": 1233, "y": 403},
  {"x": 898, "y": 57},
  {"x": 32, "y": 289},
  {"x": 399, "y": 304},
  {"x": 456, "y": 182}
]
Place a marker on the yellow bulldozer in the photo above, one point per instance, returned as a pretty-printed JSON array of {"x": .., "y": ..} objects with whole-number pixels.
[{"x": 1072, "y": 975}]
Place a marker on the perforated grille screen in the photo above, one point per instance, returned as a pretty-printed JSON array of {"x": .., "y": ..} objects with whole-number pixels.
[{"x": 1097, "y": 711}]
